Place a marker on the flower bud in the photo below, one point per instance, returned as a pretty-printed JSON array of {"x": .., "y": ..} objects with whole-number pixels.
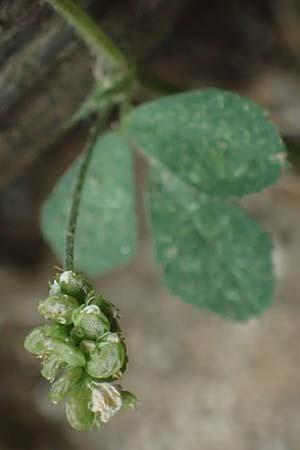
[
  {"x": 65, "y": 383},
  {"x": 54, "y": 288},
  {"x": 65, "y": 351},
  {"x": 59, "y": 308},
  {"x": 87, "y": 346},
  {"x": 106, "y": 360},
  {"x": 78, "y": 412},
  {"x": 74, "y": 284},
  {"x": 129, "y": 401},
  {"x": 77, "y": 335},
  {"x": 108, "y": 308},
  {"x": 51, "y": 365},
  {"x": 92, "y": 321}
]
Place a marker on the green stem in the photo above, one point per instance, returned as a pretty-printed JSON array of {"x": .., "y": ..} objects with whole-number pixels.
[
  {"x": 98, "y": 42},
  {"x": 88, "y": 30},
  {"x": 71, "y": 229}
]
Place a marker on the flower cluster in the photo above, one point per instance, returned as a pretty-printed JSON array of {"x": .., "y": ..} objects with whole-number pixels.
[{"x": 82, "y": 350}]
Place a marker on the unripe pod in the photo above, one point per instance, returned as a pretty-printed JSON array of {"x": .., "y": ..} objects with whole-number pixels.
[
  {"x": 106, "y": 360},
  {"x": 74, "y": 284},
  {"x": 51, "y": 365},
  {"x": 65, "y": 383},
  {"x": 92, "y": 321},
  {"x": 59, "y": 308},
  {"x": 78, "y": 412},
  {"x": 66, "y": 351},
  {"x": 36, "y": 341}
]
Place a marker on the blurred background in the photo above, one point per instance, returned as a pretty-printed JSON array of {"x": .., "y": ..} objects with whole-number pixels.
[{"x": 203, "y": 383}]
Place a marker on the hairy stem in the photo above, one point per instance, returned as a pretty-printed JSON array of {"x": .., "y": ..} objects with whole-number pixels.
[
  {"x": 88, "y": 30},
  {"x": 75, "y": 205}
]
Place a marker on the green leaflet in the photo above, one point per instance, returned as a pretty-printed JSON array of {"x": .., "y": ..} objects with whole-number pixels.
[
  {"x": 215, "y": 140},
  {"x": 213, "y": 254},
  {"x": 105, "y": 236}
]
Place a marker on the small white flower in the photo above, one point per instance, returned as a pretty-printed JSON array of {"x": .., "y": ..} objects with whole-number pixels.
[{"x": 106, "y": 400}]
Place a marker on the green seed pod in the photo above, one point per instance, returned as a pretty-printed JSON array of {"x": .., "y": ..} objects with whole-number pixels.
[
  {"x": 107, "y": 359},
  {"x": 74, "y": 284},
  {"x": 35, "y": 341},
  {"x": 51, "y": 365},
  {"x": 59, "y": 308},
  {"x": 110, "y": 311},
  {"x": 106, "y": 401},
  {"x": 92, "y": 321},
  {"x": 129, "y": 401},
  {"x": 66, "y": 351},
  {"x": 78, "y": 412},
  {"x": 64, "y": 384}
]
